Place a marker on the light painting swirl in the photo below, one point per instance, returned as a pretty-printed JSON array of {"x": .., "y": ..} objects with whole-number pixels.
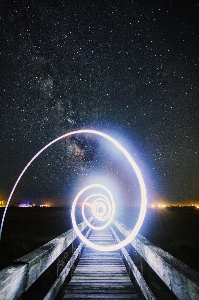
[
  {"x": 103, "y": 208},
  {"x": 111, "y": 208}
]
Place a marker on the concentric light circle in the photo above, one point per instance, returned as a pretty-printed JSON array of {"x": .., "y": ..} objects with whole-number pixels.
[
  {"x": 90, "y": 225},
  {"x": 94, "y": 205},
  {"x": 99, "y": 204}
]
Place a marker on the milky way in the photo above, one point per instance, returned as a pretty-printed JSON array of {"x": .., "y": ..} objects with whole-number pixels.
[{"x": 130, "y": 68}]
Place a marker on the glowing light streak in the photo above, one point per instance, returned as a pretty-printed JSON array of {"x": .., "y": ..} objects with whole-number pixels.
[
  {"x": 112, "y": 208},
  {"x": 134, "y": 167}
]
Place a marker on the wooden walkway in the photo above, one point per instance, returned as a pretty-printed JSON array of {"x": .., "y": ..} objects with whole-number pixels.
[{"x": 100, "y": 275}]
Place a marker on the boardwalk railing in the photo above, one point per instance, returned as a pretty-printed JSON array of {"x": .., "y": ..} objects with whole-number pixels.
[
  {"x": 179, "y": 278},
  {"x": 18, "y": 277}
]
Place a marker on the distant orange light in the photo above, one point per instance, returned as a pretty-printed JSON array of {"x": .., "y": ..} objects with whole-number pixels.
[
  {"x": 44, "y": 205},
  {"x": 158, "y": 205},
  {"x": 2, "y": 203}
]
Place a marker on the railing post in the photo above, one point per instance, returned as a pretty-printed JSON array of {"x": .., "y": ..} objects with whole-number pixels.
[
  {"x": 71, "y": 273},
  {"x": 145, "y": 270},
  {"x": 57, "y": 267}
]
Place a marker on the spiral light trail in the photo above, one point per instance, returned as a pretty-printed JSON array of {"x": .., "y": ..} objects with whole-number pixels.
[{"x": 103, "y": 205}]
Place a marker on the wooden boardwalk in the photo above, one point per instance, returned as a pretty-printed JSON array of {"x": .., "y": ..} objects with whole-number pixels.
[{"x": 100, "y": 275}]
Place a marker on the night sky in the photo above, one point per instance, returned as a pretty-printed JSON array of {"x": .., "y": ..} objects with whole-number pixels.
[{"x": 128, "y": 68}]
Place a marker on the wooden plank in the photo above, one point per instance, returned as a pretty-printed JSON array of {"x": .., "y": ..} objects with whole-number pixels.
[
  {"x": 101, "y": 296},
  {"x": 12, "y": 281},
  {"x": 180, "y": 279},
  {"x": 100, "y": 275}
]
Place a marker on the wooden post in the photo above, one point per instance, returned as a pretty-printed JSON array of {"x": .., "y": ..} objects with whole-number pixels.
[
  {"x": 72, "y": 269},
  {"x": 57, "y": 267},
  {"x": 145, "y": 271}
]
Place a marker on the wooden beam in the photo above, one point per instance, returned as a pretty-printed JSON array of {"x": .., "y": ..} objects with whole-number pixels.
[{"x": 13, "y": 281}]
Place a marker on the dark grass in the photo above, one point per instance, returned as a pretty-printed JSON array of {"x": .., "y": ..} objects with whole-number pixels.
[
  {"x": 174, "y": 229},
  {"x": 26, "y": 229}
]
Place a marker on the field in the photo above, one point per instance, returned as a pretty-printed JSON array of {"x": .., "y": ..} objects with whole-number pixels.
[{"x": 173, "y": 229}]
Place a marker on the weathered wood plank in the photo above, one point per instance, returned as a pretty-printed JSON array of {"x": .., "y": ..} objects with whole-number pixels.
[
  {"x": 180, "y": 279},
  {"x": 101, "y": 296},
  {"x": 100, "y": 275},
  {"x": 17, "y": 278},
  {"x": 12, "y": 281}
]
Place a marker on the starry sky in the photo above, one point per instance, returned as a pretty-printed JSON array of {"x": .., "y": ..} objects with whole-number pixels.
[{"x": 128, "y": 68}]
